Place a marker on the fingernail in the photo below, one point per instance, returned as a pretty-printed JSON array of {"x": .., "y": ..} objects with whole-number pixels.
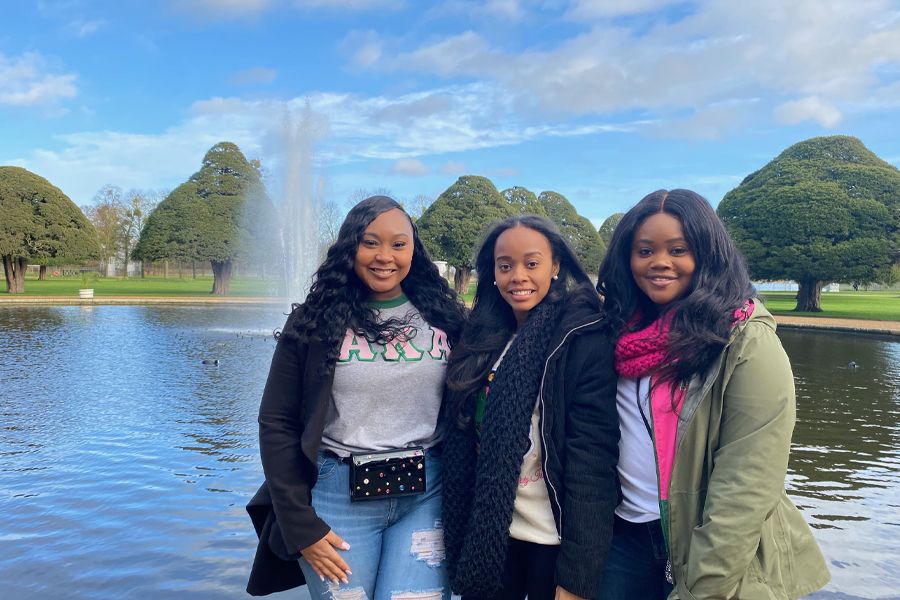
[
  {"x": 322, "y": 577},
  {"x": 345, "y": 545},
  {"x": 345, "y": 581},
  {"x": 348, "y": 571},
  {"x": 335, "y": 581}
]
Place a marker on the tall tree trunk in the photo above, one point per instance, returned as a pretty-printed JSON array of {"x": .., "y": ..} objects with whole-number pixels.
[
  {"x": 193, "y": 269},
  {"x": 461, "y": 280},
  {"x": 166, "y": 269},
  {"x": 125, "y": 275},
  {"x": 221, "y": 277},
  {"x": 142, "y": 269},
  {"x": 42, "y": 274},
  {"x": 15, "y": 274},
  {"x": 809, "y": 292},
  {"x": 180, "y": 271}
]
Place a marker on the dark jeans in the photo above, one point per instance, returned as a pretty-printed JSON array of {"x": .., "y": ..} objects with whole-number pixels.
[
  {"x": 529, "y": 571},
  {"x": 636, "y": 567}
]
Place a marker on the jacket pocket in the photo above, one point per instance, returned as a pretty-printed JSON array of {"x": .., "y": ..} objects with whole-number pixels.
[
  {"x": 774, "y": 554},
  {"x": 754, "y": 585}
]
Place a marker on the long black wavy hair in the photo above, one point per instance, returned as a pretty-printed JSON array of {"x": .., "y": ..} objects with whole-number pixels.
[
  {"x": 702, "y": 319},
  {"x": 337, "y": 298},
  {"x": 492, "y": 323}
]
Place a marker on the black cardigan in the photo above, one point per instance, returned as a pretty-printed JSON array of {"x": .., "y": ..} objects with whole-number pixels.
[
  {"x": 580, "y": 437},
  {"x": 291, "y": 421}
]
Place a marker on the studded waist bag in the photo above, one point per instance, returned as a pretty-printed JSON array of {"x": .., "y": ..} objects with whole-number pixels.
[{"x": 387, "y": 474}]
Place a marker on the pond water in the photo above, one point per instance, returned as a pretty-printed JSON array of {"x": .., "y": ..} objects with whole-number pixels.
[{"x": 125, "y": 462}]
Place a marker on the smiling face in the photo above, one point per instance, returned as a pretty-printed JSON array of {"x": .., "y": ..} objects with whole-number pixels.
[
  {"x": 384, "y": 254},
  {"x": 523, "y": 269},
  {"x": 662, "y": 261}
]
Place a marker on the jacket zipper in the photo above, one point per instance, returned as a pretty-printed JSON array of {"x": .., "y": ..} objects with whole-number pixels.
[{"x": 543, "y": 419}]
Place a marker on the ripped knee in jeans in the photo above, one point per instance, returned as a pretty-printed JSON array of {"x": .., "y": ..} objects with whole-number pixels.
[
  {"x": 428, "y": 546},
  {"x": 354, "y": 593}
]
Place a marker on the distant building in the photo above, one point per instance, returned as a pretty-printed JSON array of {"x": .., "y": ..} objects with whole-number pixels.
[{"x": 442, "y": 268}]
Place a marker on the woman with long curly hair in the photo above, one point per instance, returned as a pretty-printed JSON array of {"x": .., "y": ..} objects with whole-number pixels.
[
  {"x": 350, "y": 407},
  {"x": 706, "y": 406},
  {"x": 532, "y": 434}
]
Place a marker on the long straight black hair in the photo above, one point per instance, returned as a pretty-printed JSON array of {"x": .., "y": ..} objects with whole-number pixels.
[
  {"x": 338, "y": 300},
  {"x": 702, "y": 319},
  {"x": 491, "y": 323}
]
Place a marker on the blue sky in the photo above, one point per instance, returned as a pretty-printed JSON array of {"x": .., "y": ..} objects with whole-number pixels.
[{"x": 603, "y": 101}]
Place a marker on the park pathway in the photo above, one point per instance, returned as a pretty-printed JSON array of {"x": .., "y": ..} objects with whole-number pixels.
[{"x": 833, "y": 324}]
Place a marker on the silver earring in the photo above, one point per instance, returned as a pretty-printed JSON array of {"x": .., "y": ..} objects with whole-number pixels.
[
  {"x": 555, "y": 277},
  {"x": 495, "y": 283}
]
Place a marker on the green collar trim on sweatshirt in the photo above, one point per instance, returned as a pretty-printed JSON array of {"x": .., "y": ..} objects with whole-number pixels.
[{"x": 392, "y": 303}]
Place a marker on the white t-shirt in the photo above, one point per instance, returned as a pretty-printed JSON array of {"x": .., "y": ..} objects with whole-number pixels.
[{"x": 637, "y": 463}]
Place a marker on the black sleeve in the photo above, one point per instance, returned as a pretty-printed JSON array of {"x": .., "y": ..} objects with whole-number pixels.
[
  {"x": 592, "y": 452},
  {"x": 280, "y": 429}
]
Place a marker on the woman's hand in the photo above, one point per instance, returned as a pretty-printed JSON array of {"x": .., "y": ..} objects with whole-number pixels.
[
  {"x": 562, "y": 594},
  {"x": 325, "y": 560}
]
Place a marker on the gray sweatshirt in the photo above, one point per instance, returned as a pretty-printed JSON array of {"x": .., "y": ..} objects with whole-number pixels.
[{"x": 386, "y": 397}]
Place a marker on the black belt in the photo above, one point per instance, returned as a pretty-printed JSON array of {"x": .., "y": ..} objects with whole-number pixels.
[{"x": 341, "y": 459}]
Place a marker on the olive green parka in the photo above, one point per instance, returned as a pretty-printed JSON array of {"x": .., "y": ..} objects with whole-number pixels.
[{"x": 733, "y": 531}]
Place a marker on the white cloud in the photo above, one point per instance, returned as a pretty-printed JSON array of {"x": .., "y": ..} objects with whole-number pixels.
[
  {"x": 360, "y": 128},
  {"x": 254, "y": 75},
  {"x": 222, "y": 9},
  {"x": 452, "y": 168},
  {"x": 216, "y": 10},
  {"x": 505, "y": 8},
  {"x": 511, "y": 10},
  {"x": 362, "y": 48},
  {"x": 93, "y": 159},
  {"x": 25, "y": 82},
  {"x": 409, "y": 166},
  {"x": 84, "y": 29},
  {"x": 351, "y": 4},
  {"x": 707, "y": 125},
  {"x": 718, "y": 53},
  {"x": 812, "y": 107},
  {"x": 407, "y": 113},
  {"x": 585, "y": 9}
]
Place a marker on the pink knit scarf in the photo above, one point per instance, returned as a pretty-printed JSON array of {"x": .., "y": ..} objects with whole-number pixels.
[{"x": 639, "y": 353}]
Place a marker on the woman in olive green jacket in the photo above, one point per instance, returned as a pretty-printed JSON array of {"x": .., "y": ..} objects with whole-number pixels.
[{"x": 706, "y": 408}]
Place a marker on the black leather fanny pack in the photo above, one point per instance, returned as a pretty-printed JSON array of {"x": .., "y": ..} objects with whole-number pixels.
[{"x": 387, "y": 474}]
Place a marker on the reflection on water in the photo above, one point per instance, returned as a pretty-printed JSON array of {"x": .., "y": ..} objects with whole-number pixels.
[
  {"x": 845, "y": 465},
  {"x": 125, "y": 462}
]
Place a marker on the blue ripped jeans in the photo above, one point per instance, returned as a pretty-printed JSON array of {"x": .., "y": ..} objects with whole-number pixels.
[{"x": 396, "y": 544}]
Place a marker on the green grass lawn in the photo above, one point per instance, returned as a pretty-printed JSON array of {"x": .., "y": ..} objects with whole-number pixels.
[
  {"x": 876, "y": 306},
  {"x": 135, "y": 286}
]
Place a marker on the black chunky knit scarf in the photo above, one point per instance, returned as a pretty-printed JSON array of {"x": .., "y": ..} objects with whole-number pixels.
[{"x": 480, "y": 489}]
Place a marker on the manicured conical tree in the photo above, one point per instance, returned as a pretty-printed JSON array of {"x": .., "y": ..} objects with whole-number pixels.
[
  {"x": 221, "y": 215},
  {"x": 579, "y": 230},
  {"x": 39, "y": 223},
  {"x": 826, "y": 209},
  {"x": 606, "y": 229},
  {"x": 453, "y": 224},
  {"x": 523, "y": 201}
]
